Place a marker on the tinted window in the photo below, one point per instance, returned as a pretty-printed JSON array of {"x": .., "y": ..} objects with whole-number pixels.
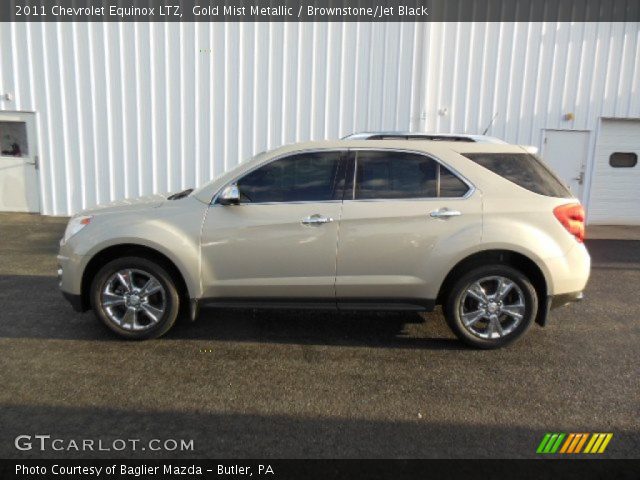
[
  {"x": 303, "y": 177},
  {"x": 524, "y": 170},
  {"x": 389, "y": 175},
  {"x": 450, "y": 185},
  {"x": 623, "y": 160}
]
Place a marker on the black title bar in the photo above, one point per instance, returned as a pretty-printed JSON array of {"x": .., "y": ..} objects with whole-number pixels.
[
  {"x": 318, "y": 10},
  {"x": 320, "y": 469}
]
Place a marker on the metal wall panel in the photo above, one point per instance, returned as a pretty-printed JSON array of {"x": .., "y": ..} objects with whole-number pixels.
[
  {"x": 135, "y": 108},
  {"x": 615, "y": 194}
]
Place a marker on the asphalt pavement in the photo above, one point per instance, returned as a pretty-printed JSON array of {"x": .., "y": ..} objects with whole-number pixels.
[{"x": 291, "y": 384}]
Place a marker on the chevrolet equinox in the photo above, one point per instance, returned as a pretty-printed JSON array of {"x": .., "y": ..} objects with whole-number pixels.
[{"x": 487, "y": 231}]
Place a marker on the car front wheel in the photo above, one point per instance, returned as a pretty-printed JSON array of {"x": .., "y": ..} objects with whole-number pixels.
[
  {"x": 135, "y": 297},
  {"x": 491, "y": 306}
]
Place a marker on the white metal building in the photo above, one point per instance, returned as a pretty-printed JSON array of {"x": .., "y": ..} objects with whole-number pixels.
[{"x": 112, "y": 110}]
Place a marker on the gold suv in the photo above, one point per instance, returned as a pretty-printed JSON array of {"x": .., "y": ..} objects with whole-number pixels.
[{"x": 485, "y": 230}]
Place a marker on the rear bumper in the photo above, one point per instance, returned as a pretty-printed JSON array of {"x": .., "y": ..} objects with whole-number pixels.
[
  {"x": 565, "y": 299},
  {"x": 556, "y": 301},
  {"x": 568, "y": 274}
]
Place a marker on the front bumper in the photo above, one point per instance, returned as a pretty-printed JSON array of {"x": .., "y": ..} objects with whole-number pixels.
[
  {"x": 74, "y": 300},
  {"x": 70, "y": 278}
]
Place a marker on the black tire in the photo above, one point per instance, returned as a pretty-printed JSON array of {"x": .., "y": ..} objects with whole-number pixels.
[
  {"x": 458, "y": 294},
  {"x": 168, "y": 297}
]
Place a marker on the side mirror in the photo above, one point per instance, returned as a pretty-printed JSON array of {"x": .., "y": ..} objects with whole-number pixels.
[{"x": 230, "y": 195}]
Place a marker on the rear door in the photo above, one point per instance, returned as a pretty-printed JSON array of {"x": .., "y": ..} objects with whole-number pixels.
[{"x": 400, "y": 208}]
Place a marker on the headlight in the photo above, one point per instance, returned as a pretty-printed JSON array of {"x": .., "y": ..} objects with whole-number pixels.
[{"x": 75, "y": 225}]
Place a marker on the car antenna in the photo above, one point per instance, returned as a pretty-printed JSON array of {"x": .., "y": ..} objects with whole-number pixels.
[{"x": 490, "y": 123}]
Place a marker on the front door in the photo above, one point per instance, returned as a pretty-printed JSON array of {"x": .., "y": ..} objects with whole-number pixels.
[
  {"x": 19, "y": 190},
  {"x": 565, "y": 151},
  {"x": 280, "y": 242},
  {"x": 405, "y": 208}
]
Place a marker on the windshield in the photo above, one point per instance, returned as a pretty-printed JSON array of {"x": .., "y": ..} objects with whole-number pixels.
[
  {"x": 179, "y": 195},
  {"x": 230, "y": 174}
]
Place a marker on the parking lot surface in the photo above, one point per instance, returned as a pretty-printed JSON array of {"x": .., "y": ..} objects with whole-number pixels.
[{"x": 285, "y": 384}]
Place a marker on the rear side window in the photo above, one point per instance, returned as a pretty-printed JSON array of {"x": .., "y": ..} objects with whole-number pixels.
[
  {"x": 524, "y": 170},
  {"x": 450, "y": 185},
  {"x": 395, "y": 175},
  {"x": 305, "y": 177}
]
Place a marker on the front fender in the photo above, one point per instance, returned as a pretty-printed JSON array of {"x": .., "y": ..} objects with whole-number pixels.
[{"x": 173, "y": 231}]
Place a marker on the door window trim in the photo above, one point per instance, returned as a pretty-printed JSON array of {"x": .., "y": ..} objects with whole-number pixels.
[
  {"x": 345, "y": 157},
  {"x": 471, "y": 190}
]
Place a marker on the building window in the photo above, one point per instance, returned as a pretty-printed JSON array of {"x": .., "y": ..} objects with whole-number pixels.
[
  {"x": 13, "y": 139},
  {"x": 623, "y": 159}
]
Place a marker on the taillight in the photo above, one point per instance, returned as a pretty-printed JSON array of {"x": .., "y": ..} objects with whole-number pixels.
[{"x": 571, "y": 216}]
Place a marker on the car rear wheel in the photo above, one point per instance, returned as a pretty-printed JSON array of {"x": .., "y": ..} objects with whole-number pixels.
[
  {"x": 135, "y": 297},
  {"x": 491, "y": 306}
]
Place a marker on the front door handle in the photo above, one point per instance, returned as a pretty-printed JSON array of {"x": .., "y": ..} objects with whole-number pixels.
[
  {"x": 444, "y": 213},
  {"x": 316, "y": 219}
]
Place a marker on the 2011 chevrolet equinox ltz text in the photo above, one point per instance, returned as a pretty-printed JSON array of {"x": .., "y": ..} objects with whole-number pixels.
[{"x": 485, "y": 230}]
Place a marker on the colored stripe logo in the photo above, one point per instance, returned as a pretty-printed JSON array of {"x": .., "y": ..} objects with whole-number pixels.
[{"x": 574, "y": 442}]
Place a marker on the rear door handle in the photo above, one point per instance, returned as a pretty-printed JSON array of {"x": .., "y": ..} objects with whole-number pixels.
[
  {"x": 316, "y": 219},
  {"x": 444, "y": 213}
]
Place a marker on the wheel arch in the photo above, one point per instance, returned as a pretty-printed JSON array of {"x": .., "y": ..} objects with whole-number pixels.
[
  {"x": 517, "y": 260},
  {"x": 112, "y": 252}
]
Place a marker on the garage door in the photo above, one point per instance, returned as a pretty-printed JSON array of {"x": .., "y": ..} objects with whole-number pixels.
[{"x": 615, "y": 184}]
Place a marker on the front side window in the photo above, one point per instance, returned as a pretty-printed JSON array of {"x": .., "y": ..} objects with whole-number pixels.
[
  {"x": 304, "y": 177},
  {"x": 397, "y": 175}
]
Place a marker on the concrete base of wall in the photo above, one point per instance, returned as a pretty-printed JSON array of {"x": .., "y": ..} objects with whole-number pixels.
[{"x": 613, "y": 232}]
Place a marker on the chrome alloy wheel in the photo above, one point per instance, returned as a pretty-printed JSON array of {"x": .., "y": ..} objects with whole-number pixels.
[
  {"x": 492, "y": 307},
  {"x": 133, "y": 299}
]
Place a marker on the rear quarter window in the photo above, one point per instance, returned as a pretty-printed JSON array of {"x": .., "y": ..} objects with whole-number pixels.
[{"x": 523, "y": 169}]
